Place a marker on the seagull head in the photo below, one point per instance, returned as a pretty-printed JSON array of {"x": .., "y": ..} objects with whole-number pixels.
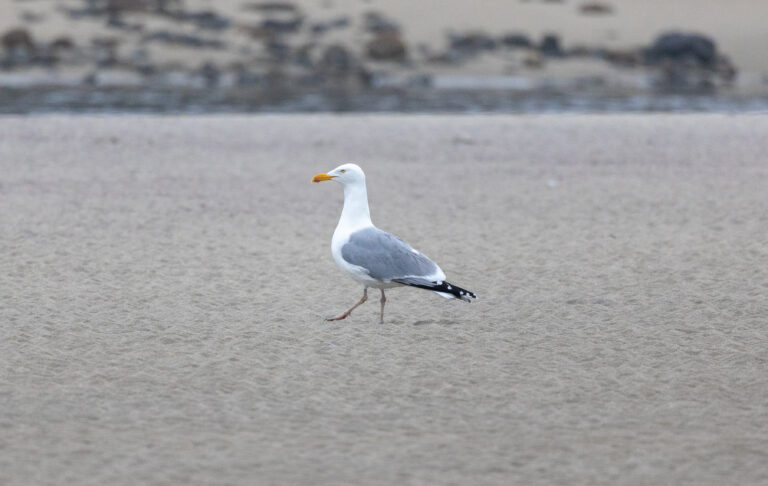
[{"x": 345, "y": 174}]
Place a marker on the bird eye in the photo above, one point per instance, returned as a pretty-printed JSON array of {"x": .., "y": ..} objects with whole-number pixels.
[{"x": 343, "y": 171}]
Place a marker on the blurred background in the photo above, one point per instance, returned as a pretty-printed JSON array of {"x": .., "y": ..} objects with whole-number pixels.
[{"x": 193, "y": 56}]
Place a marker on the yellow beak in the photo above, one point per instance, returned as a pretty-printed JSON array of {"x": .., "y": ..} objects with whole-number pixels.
[{"x": 322, "y": 177}]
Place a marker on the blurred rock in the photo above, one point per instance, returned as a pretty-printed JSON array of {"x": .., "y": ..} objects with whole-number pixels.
[
  {"x": 186, "y": 40},
  {"x": 303, "y": 55},
  {"x": 336, "y": 59},
  {"x": 245, "y": 78},
  {"x": 18, "y": 39},
  {"x": 206, "y": 19},
  {"x": 386, "y": 46},
  {"x": 105, "y": 51},
  {"x": 116, "y": 21},
  {"x": 19, "y": 48},
  {"x": 621, "y": 58},
  {"x": 90, "y": 79},
  {"x": 595, "y": 8},
  {"x": 210, "y": 75},
  {"x": 272, "y": 7},
  {"x": 278, "y": 51},
  {"x": 31, "y": 17},
  {"x": 516, "y": 40},
  {"x": 688, "y": 61},
  {"x": 681, "y": 47},
  {"x": 550, "y": 46},
  {"x": 319, "y": 28},
  {"x": 114, "y": 6},
  {"x": 146, "y": 69},
  {"x": 62, "y": 43},
  {"x": 278, "y": 26},
  {"x": 378, "y": 23},
  {"x": 472, "y": 42}
]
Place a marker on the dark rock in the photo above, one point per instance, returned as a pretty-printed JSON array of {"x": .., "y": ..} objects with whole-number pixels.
[
  {"x": 550, "y": 46},
  {"x": 377, "y": 23},
  {"x": 680, "y": 47},
  {"x": 283, "y": 26},
  {"x": 303, "y": 55},
  {"x": 44, "y": 57},
  {"x": 62, "y": 43},
  {"x": 387, "y": 46},
  {"x": 245, "y": 78},
  {"x": 94, "y": 8},
  {"x": 105, "y": 50},
  {"x": 18, "y": 39},
  {"x": 187, "y": 40},
  {"x": 115, "y": 20},
  {"x": 206, "y": 19},
  {"x": 272, "y": 7},
  {"x": 336, "y": 59},
  {"x": 516, "y": 40},
  {"x": 31, "y": 17},
  {"x": 472, "y": 42},
  {"x": 210, "y": 75},
  {"x": 19, "y": 48},
  {"x": 115, "y": 6},
  {"x": 623, "y": 58},
  {"x": 278, "y": 51},
  {"x": 365, "y": 77},
  {"x": 688, "y": 62},
  {"x": 319, "y": 28},
  {"x": 596, "y": 8},
  {"x": 90, "y": 80},
  {"x": 146, "y": 69},
  {"x": 165, "y": 6}
]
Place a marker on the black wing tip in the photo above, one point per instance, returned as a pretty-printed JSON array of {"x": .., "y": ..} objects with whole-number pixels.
[
  {"x": 449, "y": 288},
  {"x": 464, "y": 296},
  {"x": 446, "y": 288}
]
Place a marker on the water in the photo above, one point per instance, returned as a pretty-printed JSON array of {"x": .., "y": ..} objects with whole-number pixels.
[{"x": 407, "y": 100}]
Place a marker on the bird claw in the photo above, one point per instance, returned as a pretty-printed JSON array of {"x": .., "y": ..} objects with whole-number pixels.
[{"x": 337, "y": 318}]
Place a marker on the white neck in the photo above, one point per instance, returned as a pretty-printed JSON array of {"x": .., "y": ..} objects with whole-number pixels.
[{"x": 355, "y": 213}]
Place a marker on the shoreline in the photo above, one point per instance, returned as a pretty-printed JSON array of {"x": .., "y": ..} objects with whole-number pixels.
[{"x": 381, "y": 100}]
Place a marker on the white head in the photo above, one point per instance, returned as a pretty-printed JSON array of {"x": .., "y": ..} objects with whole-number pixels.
[{"x": 345, "y": 174}]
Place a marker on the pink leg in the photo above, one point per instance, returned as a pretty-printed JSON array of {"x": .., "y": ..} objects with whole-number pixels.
[
  {"x": 344, "y": 315},
  {"x": 383, "y": 301}
]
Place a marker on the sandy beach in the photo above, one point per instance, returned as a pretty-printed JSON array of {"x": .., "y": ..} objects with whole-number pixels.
[
  {"x": 163, "y": 284},
  {"x": 737, "y": 26}
]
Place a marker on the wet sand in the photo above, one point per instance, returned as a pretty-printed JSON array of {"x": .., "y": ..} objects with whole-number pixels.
[{"x": 164, "y": 281}]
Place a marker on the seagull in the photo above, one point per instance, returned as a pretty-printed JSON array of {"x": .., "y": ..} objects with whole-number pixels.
[{"x": 374, "y": 257}]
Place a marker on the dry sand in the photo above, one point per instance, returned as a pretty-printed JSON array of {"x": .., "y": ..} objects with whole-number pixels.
[{"x": 163, "y": 283}]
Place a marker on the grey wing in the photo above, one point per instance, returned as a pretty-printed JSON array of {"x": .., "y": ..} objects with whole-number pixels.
[{"x": 386, "y": 257}]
